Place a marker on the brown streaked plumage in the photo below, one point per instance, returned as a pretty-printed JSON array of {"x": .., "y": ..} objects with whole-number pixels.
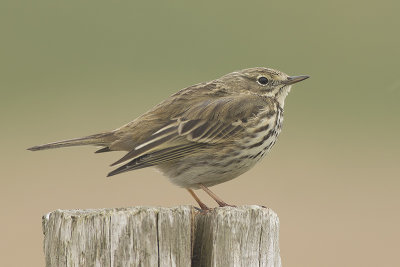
[{"x": 204, "y": 134}]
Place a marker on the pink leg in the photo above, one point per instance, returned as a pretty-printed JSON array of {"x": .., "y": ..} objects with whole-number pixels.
[
  {"x": 201, "y": 204},
  {"x": 220, "y": 202}
]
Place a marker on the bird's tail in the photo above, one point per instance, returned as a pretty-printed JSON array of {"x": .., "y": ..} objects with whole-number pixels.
[{"x": 101, "y": 139}]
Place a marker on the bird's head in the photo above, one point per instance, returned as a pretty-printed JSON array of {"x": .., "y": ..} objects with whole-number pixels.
[{"x": 262, "y": 81}]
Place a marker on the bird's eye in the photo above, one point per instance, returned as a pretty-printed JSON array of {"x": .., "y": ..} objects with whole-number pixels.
[{"x": 262, "y": 80}]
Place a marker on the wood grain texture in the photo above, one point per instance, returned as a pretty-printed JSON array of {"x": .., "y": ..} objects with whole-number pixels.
[
  {"x": 140, "y": 236},
  {"x": 155, "y": 236},
  {"x": 237, "y": 236}
]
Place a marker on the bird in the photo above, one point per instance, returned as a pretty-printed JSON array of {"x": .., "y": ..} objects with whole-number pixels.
[{"x": 204, "y": 134}]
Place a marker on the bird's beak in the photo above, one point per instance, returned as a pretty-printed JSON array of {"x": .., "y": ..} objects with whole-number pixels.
[{"x": 295, "y": 79}]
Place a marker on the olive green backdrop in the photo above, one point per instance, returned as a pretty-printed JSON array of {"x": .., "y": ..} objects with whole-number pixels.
[{"x": 72, "y": 68}]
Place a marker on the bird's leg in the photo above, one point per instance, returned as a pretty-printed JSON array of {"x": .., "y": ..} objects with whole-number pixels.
[
  {"x": 220, "y": 202},
  {"x": 201, "y": 204}
]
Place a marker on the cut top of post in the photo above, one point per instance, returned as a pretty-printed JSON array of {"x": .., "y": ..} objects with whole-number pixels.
[{"x": 156, "y": 236}]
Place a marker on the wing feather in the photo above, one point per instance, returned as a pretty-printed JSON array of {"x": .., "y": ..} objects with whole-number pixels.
[
  {"x": 157, "y": 158},
  {"x": 206, "y": 123}
]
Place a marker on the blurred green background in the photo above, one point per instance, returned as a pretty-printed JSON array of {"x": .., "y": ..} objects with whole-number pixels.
[{"x": 75, "y": 68}]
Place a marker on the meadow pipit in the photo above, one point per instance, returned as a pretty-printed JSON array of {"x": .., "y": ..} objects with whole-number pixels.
[{"x": 205, "y": 134}]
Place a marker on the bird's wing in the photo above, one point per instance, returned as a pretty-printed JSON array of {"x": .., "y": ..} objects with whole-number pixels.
[
  {"x": 158, "y": 157},
  {"x": 206, "y": 123}
]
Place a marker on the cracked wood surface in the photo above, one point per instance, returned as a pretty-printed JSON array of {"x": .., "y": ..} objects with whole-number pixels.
[{"x": 156, "y": 236}]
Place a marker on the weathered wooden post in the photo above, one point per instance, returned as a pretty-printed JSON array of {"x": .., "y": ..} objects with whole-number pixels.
[{"x": 155, "y": 236}]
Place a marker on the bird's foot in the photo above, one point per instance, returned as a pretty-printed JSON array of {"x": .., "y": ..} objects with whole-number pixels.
[
  {"x": 224, "y": 204},
  {"x": 203, "y": 209}
]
